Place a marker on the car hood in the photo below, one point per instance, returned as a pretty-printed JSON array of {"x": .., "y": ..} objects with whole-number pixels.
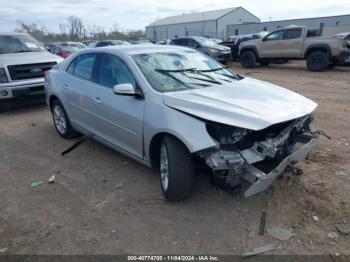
[
  {"x": 250, "y": 42},
  {"x": 220, "y": 48},
  {"x": 28, "y": 58},
  {"x": 247, "y": 103}
]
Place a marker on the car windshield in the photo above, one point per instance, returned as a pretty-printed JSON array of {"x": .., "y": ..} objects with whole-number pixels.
[
  {"x": 181, "y": 70},
  {"x": 19, "y": 43},
  {"x": 205, "y": 42}
]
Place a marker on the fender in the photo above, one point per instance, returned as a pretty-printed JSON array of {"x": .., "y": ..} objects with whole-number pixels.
[
  {"x": 313, "y": 47},
  {"x": 249, "y": 47}
]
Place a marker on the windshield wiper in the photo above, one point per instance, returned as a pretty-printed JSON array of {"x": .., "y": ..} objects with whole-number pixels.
[
  {"x": 212, "y": 70},
  {"x": 176, "y": 70},
  {"x": 187, "y": 70},
  {"x": 236, "y": 77},
  {"x": 167, "y": 73}
]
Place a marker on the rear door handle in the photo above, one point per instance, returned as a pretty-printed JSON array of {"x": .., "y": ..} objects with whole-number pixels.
[
  {"x": 97, "y": 100},
  {"x": 66, "y": 86}
]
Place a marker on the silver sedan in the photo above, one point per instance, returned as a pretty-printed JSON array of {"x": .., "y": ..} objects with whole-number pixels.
[{"x": 168, "y": 106}]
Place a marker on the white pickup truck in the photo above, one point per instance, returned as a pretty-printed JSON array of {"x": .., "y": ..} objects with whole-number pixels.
[{"x": 23, "y": 62}]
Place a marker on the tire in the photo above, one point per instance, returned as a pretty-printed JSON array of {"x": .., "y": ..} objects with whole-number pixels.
[
  {"x": 176, "y": 170},
  {"x": 317, "y": 61},
  {"x": 61, "y": 121},
  {"x": 248, "y": 59},
  {"x": 264, "y": 62},
  {"x": 2, "y": 107}
]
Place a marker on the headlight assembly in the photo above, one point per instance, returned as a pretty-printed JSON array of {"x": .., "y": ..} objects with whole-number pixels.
[
  {"x": 3, "y": 76},
  {"x": 225, "y": 134}
]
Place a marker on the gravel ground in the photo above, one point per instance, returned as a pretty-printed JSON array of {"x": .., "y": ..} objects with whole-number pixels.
[{"x": 104, "y": 203}]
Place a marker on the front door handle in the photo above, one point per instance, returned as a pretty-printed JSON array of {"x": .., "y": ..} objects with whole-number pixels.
[
  {"x": 65, "y": 86},
  {"x": 97, "y": 100}
]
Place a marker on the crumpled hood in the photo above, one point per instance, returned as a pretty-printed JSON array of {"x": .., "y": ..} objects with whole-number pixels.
[
  {"x": 28, "y": 58},
  {"x": 247, "y": 103}
]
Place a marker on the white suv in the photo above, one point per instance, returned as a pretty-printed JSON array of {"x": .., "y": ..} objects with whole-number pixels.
[{"x": 23, "y": 62}]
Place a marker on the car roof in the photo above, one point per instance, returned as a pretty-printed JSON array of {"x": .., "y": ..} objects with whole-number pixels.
[{"x": 137, "y": 49}]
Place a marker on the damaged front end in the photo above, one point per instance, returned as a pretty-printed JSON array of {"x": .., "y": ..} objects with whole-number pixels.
[{"x": 258, "y": 157}]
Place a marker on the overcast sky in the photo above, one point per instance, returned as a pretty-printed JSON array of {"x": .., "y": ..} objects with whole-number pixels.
[{"x": 136, "y": 14}]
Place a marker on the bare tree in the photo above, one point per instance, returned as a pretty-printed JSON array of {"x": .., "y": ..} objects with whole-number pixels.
[
  {"x": 75, "y": 27},
  {"x": 36, "y": 30}
]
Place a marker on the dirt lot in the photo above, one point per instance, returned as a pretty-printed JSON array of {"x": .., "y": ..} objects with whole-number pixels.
[{"x": 105, "y": 203}]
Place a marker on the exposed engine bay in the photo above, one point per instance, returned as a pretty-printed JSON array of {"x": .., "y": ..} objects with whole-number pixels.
[{"x": 258, "y": 157}]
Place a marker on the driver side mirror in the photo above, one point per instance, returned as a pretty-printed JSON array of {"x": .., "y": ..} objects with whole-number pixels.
[{"x": 124, "y": 90}]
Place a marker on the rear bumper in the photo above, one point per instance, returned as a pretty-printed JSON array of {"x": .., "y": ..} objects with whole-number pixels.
[{"x": 265, "y": 180}]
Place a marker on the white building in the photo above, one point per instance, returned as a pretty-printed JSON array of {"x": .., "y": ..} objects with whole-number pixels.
[
  {"x": 211, "y": 24},
  {"x": 327, "y": 26}
]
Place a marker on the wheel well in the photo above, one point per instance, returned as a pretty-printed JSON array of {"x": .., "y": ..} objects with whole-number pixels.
[
  {"x": 249, "y": 49},
  {"x": 322, "y": 49},
  {"x": 53, "y": 98},
  {"x": 154, "y": 148}
]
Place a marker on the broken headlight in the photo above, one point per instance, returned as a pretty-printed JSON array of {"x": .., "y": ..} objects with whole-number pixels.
[
  {"x": 225, "y": 134},
  {"x": 3, "y": 76}
]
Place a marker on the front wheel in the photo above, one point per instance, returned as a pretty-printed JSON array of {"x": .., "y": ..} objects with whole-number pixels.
[
  {"x": 248, "y": 59},
  {"x": 176, "y": 170}
]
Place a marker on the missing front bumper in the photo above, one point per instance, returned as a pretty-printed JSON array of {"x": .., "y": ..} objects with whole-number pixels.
[{"x": 263, "y": 180}]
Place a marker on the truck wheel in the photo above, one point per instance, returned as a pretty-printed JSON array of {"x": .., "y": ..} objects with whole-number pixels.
[
  {"x": 264, "y": 62},
  {"x": 317, "y": 61},
  {"x": 61, "y": 121},
  {"x": 248, "y": 59},
  {"x": 176, "y": 170}
]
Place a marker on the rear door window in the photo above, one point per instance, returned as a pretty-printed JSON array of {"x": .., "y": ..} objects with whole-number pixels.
[
  {"x": 84, "y": 66},
  {"x": 292, "y": 34}
]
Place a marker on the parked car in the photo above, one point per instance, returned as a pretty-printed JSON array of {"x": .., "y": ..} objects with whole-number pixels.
[
  {"x": 217, "y": 40},
  {"x": 166, "y": 106},
  {"x": 23, "y": 63},
  {"x": 163, "y": 42},
  {"x": 346, "y": 39},
  {"x": 120, "y": 42},
  {"x": 111, "y": 43},
  {"x": 64, "y": 51},
  {"x": 294, "y": 43},
  {"x": 104, "y": 43},
  {"x": 234, "y": 45},
  {"x": 92, "y": 44},
  {"x": 205, "y": 45},
  {"x": 78, "y": 45},
  {"x": 140, "y": 42},
  {"x": 50, "y": 46}
]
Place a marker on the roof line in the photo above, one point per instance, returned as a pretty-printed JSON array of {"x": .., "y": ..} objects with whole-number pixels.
[
  {"x": 229, "y": 10},
  {"x": 266, "y": 22}
]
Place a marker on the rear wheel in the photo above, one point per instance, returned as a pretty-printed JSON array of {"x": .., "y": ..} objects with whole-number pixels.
[
  {"x": 2, "y": 108},
  {"x": 61, "y": 121},
  {"x": 248, "y": 59},
  {"x": 176, "y": 170},
  {"x": 317, "y": 61}
]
